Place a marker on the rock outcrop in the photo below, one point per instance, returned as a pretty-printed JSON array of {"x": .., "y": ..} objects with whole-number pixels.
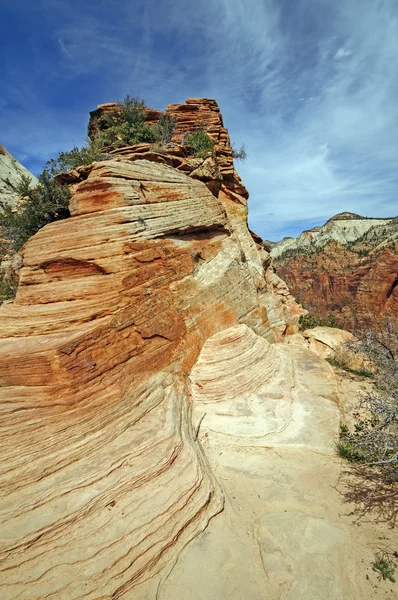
[
  {"x": 102, "y": 477},
  {"x": 348, "y": 268},
  {"x": 11, "y": 170},
  {"x": 142, "y": 395}
]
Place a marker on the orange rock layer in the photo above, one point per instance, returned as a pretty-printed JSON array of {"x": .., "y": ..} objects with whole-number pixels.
[{"x": 101, "y": 473}]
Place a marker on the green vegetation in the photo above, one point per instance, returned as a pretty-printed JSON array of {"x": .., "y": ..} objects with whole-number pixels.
[
  {"x": 126, "y": 125},
  {"x": 384, "y": 566},
  {"x": 200, "y": 143},
  {"x": 165, "y": 128},
  {"x": 340, "y": 364},
  {"x": 372, "y": 444},
  {"x": 348, "y": 451},
  {"x": 38, "y": 206},
  {"x": 67, "y": 161},
  {"x": 7, "y": 290},
  {"x": 309, "y": 321}
]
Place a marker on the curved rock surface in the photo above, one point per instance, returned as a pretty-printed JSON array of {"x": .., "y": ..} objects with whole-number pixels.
[
  {"x": 140, "y": 395},
  {"x": 102, "y": 479},
  {"x": 266, "y": 417}
]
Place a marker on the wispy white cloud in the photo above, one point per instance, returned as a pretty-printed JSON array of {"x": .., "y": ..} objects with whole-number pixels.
[{"x": 310, "y": 87}]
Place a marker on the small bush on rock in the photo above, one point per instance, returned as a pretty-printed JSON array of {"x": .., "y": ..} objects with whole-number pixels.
[
  {"x": 7, "y": 290},
  {"x": 67, "y": 161},
  {"x": 200, "y": 143},
  {"x": 309, "y": 321},
  {"x": 126, "y": 125},
  {"x": 165, "y": 128},
  {"x": 37, "y": 206}
]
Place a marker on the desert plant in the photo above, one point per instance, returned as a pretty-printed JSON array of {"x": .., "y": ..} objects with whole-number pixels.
[
  {"x": 7, "y": 290},
  {"x": 373, "y": 484},
  {"x": 165, "y": 128},
  {"x": 309, "y": 321},
  {"x": 379, "y": 441},
  {"x": 340, "y": 362},
  {"x": 347, "y": 450},
  {"x": 126, "y": 125},
  {"x": 67, "y": 161},
  {"x": 239, "y": 154},
  {"x": 37, "y": 206},
  {"x": 199, "y": 142},
  {"x": 384, "y": 566}
]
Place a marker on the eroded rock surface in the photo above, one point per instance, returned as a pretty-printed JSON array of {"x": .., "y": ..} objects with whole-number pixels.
[
  {"x": 102, "y": 477},
  {"x": 141, "y": 394}
]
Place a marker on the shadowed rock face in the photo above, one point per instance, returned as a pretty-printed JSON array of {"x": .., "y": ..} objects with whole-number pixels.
[{"x": 103, "y": 480}]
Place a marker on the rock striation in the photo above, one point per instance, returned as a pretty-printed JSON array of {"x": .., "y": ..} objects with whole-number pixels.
[
  {"x": 103, "y": 479},
  {"x": 144, "y": 399},
  {"x": 348, "y": 268}
]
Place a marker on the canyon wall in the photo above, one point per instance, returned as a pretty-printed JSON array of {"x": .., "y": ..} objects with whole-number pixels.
[{"x": 347, "y": 268}]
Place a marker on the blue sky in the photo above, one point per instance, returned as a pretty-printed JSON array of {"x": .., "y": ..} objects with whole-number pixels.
[{"x": 310, "y": 87}]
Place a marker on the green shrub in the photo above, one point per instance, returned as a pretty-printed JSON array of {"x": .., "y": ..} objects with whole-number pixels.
[
  {"x": 7, "y": 290},
  {"x": 199, "y": 142},
  {"x": 67, "y": 161},
  {"x": 309, "y": 321},
  {"x": 124, "y": 134},
  {"x": 347, "y": 450},
  {"x": 130, "y": 110},
  {"x": 384, "y": 566},
  {"x": 342, "y": 365},
  {"x": 38, "y": 206},
  {"x": 126, "y": 125}
]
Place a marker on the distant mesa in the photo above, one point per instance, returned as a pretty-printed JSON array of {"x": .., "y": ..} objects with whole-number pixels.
[{"x": 343, "y": 216}]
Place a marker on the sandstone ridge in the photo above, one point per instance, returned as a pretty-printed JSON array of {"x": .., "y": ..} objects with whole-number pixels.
[
  {"x": 113, "y": 307},
  {"x": 144, "y": 399}
]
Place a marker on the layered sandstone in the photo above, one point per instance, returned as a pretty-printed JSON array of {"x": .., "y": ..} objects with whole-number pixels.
[
  {"x": 102, "y": 477},
  {"x": 141, "y": 397}
]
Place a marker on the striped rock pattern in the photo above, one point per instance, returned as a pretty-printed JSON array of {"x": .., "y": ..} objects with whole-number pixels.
[{"x": 103, "y": 479}]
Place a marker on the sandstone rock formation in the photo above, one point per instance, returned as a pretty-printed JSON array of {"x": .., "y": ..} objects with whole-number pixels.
[
  {"x": 343, "y": 228},
  {"x": 348, "y": 268},
  {"x": 12, "y": 170},
  {"x": 137, "y": 374}
]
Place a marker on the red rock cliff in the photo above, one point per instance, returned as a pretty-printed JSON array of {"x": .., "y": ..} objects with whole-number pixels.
[{"x": 360, "y": 291}]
